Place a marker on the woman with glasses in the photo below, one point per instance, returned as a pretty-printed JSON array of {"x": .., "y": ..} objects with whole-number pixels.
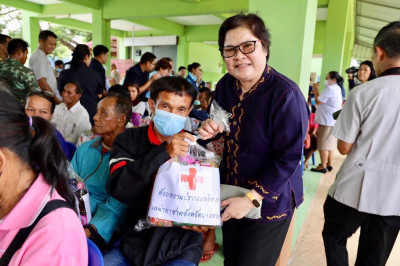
[{"x": 263, "y": 148}]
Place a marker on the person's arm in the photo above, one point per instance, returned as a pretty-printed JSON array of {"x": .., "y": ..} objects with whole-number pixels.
[
  {"x": 145, "y": 87},
  {"x": 131, "y": 175},
  {"x": 344, "y": 147},
  {"x": 45, "y": 86},
  {"x": 31, "y": 82},
  {"x": 108, "y": 217}
]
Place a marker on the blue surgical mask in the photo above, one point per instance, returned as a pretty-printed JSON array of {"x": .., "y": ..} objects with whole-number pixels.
[
  {"x": 167, "y": 123},
  {"x": 197, "y": 102},
  {"x": 58, "y": 70}
]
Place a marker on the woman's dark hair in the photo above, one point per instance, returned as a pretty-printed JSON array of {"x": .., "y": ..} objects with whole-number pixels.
[
  {"x": 44, "y": 95},
  {"x": 36, "y": 146},
  {"x": 193, "y": 66},
  {"x": 208, "y": 95},
  {"x": 177, "y": 85},
  {"x": 371, "y": 66},
  {"x": 162, "y": 64},
  {"x": 131, "y": 83},
  {"x": 250, "y": 21},
  {"x": 335, "y": 75},
  {"x": 80, "y": 51}
]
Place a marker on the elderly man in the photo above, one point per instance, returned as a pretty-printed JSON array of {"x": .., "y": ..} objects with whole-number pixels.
[
  {"x": 14, "y": 70},
  {"x": 41, "y": 66},
  {"x": 366, "y": 190},
  {"x": 91, "y": 163},
  {"x": 4, "y": 39},
  {"x": 70, "y": 117}
]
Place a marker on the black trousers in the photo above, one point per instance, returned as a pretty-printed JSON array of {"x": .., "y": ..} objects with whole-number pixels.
[
  {"x": 253, "y": 243},
  {"x": 377, "y": 236}
]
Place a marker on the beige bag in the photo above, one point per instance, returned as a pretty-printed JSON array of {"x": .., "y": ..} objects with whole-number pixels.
[{"x": 229, "y": 191}]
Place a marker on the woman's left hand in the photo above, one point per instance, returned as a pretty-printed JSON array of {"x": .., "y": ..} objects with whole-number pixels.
[{"x": 236, "y": 208}]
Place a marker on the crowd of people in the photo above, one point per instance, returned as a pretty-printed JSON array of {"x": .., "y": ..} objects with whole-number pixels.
[{"x": 115, "y": 139}]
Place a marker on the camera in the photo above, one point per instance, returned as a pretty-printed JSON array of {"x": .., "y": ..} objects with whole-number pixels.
[{"x": 351, "y": 70}]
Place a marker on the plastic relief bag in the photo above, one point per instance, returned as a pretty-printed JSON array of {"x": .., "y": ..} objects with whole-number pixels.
[
  {"x": 186, "y": 191},
  {"x": 82, "y": 196}
]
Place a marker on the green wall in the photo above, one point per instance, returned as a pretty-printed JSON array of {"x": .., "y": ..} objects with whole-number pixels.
[{"x": 319, "y": 38}]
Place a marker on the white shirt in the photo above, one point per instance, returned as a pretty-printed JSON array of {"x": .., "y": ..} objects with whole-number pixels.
[
  {"x": 139, "y": 108},
  {"x": 115, "y": 74},
  {"x": 369, "y": 179},
  {"x": 41, "y": 67},
  {"x": 71, "y": 123},
  {"x": 331, "y": 98}
]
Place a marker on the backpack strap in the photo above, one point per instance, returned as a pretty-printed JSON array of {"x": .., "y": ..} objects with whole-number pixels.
[{"x": 23, "y": 233}]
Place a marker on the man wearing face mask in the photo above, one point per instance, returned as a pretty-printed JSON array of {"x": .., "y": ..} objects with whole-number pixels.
[{"x": 137, "y": 154}]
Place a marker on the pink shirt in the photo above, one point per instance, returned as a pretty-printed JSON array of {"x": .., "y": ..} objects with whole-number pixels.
[{"x": 58, "y": 239}]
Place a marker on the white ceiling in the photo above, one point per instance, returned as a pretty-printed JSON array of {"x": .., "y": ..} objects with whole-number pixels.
[
  {"x": 371, "y": 16},
  {"x": 115, "y": 24},
  {"x": 196, "y": 20},
  {"x": 44, "y": 2}
]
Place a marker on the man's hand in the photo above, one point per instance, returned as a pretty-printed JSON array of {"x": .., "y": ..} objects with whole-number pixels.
[
  {"x": 178, "y": 146},
  {"x": 209, "y": 129}
]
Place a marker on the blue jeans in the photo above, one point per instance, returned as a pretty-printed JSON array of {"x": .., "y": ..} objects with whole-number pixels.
[{"x": 114, "y": 257}]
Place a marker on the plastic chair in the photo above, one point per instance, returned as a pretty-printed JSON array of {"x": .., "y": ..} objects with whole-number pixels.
[
  {"x": 95, "y": 256},
  {"x": 71, "y": 149}
]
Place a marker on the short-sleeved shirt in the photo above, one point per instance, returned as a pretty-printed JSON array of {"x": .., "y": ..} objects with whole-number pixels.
[
  {"x": 331, "y": 98},
  {"x": 20, "y": 76},
  {"x": 71, "y": 122},
  {"x": 41, "y": 67},
  {"x": 369, "y": 179}
]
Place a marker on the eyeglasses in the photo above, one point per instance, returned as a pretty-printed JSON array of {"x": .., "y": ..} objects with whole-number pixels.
[{"x": 245, "y": 47}]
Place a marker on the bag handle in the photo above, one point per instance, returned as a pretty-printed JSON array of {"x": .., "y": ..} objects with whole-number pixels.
[{"x": 23, "y": 233}]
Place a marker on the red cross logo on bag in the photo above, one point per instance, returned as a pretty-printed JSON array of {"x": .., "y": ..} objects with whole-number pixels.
[{"x": 192, "y": 179}]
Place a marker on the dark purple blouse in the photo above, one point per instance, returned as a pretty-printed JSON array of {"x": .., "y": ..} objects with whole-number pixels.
[{"x": 264, "y": 147}]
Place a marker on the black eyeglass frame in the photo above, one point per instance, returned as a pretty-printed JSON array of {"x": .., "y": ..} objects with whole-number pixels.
[{"x": 238, "y": 47}]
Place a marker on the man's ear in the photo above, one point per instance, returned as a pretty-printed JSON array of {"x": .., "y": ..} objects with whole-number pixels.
[
  {"x": 152, "y": 105},
  {"x": 2, "y": 160},
  {"x": 121, "y": 120},
  {"x": 380, "y": 53}
]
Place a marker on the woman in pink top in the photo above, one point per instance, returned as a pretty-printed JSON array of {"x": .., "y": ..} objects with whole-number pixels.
[{"x": 32, "y": 173}]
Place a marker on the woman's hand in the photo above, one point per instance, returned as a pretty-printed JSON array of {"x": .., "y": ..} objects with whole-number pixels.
[
  {"x": 236, "y": 208},
  {"x": 209, "y": 129}
]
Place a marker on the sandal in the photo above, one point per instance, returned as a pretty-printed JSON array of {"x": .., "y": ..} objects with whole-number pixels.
[{"x": 206, "y": 256}]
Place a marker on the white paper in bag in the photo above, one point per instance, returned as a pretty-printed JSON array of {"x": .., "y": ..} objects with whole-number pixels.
[{"x": 186, "y": 194}]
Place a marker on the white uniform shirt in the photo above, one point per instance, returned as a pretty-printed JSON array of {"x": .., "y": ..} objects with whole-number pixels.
[
  {"x": 332, "y": 102},
  {"x": 41, "y": 67},
  {"x": 369, "y": 179},
  {"x": 71, "y": 123},
  {"x": 139, "y": 108}
]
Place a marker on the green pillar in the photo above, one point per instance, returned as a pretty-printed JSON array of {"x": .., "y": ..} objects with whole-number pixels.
[
  {"x": 30, "y": 30},
  {"x": 121, "y": 48},
  {"x": 292, "y": 27},
  {"x": 335, "y": 57},
  {"x": 102, "y": 33},
  {"x": 182, "y": 56}
]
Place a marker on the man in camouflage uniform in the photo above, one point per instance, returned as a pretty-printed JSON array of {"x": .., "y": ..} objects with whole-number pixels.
[
  {"x": 14, "y": 70},
  {"x": 4, "y": 39}
]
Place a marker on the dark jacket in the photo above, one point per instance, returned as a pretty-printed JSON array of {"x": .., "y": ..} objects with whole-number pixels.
[
  {"x": 137, "y": 154},
  {"x": 264, "y": 146},
  {"x": 90, "y": 81},
  {"x": 136, "y": 74},
  {"x": 98, "y": 67}
]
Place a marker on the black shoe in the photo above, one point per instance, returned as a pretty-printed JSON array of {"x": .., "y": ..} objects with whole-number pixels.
[
  {"x": 323, "y": 170},
  {"x": 329, "y": 168}
]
